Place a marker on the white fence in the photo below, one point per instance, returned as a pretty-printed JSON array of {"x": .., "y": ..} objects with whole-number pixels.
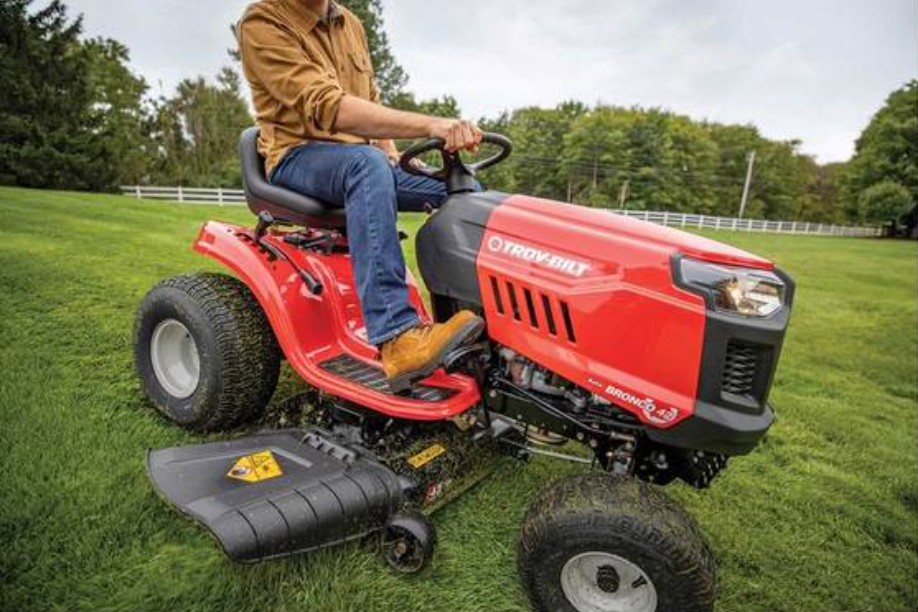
[
  {"x": 803, "y": 228},
  {"x": 189, "y": 195},
  {"x": 236, "y": 197}
]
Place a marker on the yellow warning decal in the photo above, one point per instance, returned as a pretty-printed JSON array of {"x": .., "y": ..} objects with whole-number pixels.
[
  {"x": 255, "y": 468},
  {"x": 426, "y": 456}
]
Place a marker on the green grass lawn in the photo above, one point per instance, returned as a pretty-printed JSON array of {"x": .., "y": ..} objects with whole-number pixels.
[{"x": 822, "y": 517}]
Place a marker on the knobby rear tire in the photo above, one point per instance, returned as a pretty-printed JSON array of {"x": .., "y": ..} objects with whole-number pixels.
[{"x": 238, "y": 352}]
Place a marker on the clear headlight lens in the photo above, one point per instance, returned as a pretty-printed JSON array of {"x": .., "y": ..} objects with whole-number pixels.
[{"x": 743, "y": 291}]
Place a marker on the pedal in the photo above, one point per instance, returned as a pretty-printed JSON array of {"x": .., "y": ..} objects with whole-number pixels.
[
  {"x": 499, "y": 428},
  {"x": 451, "y": 362}
]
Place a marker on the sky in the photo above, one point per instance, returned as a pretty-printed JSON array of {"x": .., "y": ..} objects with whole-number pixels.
[{"x": 814, "y": 70}]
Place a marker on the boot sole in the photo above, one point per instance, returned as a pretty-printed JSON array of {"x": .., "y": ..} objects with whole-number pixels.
[{"x": 467, "y": 334}]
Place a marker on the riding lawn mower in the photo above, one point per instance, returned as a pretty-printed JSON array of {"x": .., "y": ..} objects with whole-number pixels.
[{"x": 644, "y": 353}]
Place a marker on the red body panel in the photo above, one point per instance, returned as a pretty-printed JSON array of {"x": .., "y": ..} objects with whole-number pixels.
[
  {"x": 619, "y": 326},
  {"x": 313, "y": 329}
]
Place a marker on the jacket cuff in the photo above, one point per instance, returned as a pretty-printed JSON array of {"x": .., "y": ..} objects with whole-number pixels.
[{"x": 325, "y": 114}]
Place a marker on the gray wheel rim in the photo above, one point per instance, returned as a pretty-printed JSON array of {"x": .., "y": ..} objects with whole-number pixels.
[
  {"x": 176, "y": 363},
  {"x": 603, "y": 582}
]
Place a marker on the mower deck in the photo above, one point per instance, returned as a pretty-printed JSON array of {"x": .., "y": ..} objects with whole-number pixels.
[{"x": 279, "y": 493}]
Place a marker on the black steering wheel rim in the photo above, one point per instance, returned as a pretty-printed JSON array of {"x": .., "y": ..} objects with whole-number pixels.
[{"x": 452, "y": 161}]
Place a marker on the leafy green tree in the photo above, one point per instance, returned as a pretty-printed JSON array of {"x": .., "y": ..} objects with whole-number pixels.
[
  {"x": 445, "y": 106},
  {"x": 734, "y": 144},
  {"x": 782, "y": 177},
  {"x": 538, "y": 135},
  {"x": 47, "y": 127},
  {"x": 822, "y": 201},
  {"x": 196, "y": 132},
  {"x": 883, "y": 202},
  {"x": 646, "y": 159},
  {"x": 887, "y": 150},
  {"x": 119, "y": 110}
]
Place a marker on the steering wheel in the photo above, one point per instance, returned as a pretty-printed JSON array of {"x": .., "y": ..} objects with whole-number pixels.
[{"x": 458, "y": 175}]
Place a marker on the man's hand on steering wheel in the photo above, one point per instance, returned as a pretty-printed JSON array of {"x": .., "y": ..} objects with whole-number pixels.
[{"x": 458, "y": 134}]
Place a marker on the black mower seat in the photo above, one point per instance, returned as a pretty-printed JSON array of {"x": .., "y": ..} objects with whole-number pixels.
[{"x": 284, "y": 204}]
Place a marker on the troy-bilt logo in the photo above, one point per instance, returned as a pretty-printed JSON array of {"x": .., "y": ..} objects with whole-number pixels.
[
  {"x": 568, "y": 266},
  {"x": 654, "y": 413}
]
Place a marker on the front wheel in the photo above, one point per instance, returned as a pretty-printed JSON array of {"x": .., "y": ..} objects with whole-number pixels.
[
  {"x": 204, "y": 351},
  {"x": 600, "y": 543}
]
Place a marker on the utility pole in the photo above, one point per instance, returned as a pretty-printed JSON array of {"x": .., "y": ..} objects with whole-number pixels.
[
  {"x": 570, "y": 188},
  {"x": 595, "y": 167},
  {"x": 742, "y": 208},
  {"x": 623, "y": 194}
]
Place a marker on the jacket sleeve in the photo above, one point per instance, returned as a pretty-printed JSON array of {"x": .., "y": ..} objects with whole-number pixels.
[{"x": 271, "y": 57}]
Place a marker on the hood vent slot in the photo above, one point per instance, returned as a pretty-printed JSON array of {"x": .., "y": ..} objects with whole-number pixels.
[
  {"x": 546, "y": 321},
  {"x": 568, "y": 323}
]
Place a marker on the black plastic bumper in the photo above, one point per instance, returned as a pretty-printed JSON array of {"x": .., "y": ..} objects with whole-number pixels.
[
  {"x": 717, "y": 430},
  {"x": 738, "y": 365}
]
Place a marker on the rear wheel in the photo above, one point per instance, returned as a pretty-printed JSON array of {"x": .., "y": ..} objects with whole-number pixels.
[
  {"x": 599, "y": 543},
  {"x": 204, "y": 351}
]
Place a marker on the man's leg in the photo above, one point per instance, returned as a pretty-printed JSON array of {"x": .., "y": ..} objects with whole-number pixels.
[
  {"x": 360, "y": 178},
  {"x": 415, "y": 192}
]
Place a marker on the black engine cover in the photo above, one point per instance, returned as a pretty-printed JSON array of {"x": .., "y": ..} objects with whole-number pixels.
[{"x": 448, "y": 244}]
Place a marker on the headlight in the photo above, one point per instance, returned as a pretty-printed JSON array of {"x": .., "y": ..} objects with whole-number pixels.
[{"x": 743, "y": 291}]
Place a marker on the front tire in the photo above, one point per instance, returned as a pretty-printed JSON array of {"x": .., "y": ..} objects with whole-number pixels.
[
  {"x": 204, "y": 351},
  {"x": 597, "y": 542}
]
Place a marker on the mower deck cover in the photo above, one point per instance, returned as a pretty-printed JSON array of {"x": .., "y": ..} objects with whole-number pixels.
[{"x": 277, "y": 493}]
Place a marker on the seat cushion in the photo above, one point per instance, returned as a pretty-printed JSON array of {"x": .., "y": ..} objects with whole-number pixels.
[{"x": 283, "y": 204}]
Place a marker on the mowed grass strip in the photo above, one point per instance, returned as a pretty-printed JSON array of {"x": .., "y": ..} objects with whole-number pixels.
[{"x": 821, "y": 517}]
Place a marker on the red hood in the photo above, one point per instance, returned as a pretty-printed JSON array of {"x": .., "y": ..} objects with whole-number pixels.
[{"x": 608, "y": 222}]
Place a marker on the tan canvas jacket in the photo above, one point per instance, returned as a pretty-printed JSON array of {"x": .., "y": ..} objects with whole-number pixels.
[{"x": 299, "y": 67}]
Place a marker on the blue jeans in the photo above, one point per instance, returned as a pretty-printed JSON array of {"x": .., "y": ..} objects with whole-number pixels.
[{"x": 361, "y": 178}]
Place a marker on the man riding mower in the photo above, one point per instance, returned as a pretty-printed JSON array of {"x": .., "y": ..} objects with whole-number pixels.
[{"x": 550, "y": 324}]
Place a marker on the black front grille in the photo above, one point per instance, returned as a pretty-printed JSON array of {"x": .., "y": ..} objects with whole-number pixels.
[{"x": 741, "y": 366}]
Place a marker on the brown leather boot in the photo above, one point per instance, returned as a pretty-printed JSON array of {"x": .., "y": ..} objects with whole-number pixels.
[{"x": 419, "y": 351}]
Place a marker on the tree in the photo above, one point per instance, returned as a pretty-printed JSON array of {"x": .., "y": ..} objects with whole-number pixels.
[
  {"x": 196, "y": 132},
  {"x": 538, "y": 135},
  {"x": 887, "y": 150},
  {"x": 648, "y": 159},
  {"x": 822, "y": 202},
  {"x": 883, "y": 202},
  {"x": 48, "y": 130},
  {"x": 445, "y": 106},
  {"x": 782, "y": 177},
  {"x": 119, "y": 112}
]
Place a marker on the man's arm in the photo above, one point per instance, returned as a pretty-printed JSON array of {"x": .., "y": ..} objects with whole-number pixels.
[
  {"x": 376, "y": 122},
  {"x": 272, "y": 57}
]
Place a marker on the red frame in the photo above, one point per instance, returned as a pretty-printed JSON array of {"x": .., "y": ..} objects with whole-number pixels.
[
  {"x": 619, "y": 325},
  {"x": 312, "y": 329}
]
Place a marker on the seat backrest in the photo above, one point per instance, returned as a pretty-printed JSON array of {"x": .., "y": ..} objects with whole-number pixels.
[{"x": 284, "y": 204}]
